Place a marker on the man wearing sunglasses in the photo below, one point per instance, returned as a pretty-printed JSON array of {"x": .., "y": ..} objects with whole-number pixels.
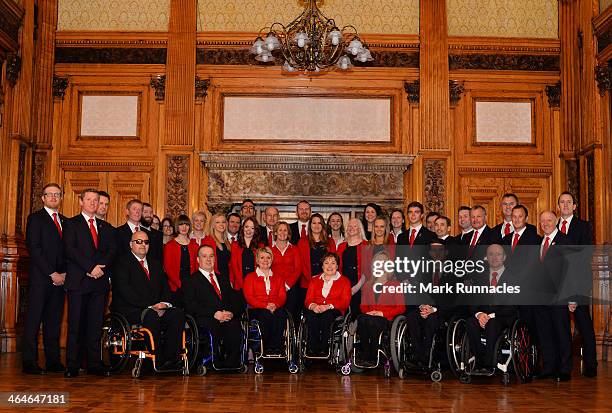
[{"x": 142, "y": 295}]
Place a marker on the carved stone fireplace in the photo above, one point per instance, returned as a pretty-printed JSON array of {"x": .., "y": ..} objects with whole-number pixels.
[{"x": 327, "y": 181}]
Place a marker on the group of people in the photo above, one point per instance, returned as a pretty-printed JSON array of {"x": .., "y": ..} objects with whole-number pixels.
[{"x": 216, "y": 267}]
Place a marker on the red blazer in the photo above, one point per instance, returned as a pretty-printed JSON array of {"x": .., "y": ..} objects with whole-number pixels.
[
  {"x": 235, "y": 264},
  {"x": 391, "y": 239},
  {"x": 339, "y": 294},
  {"x": 172, "y": 261},
  {"x": 254, "y": 290},
  {"x": 331, "y": 245},
  {"x": 342, "y": 247},
  {"x": 366, "y": 259},
  {"x": 288, "y": 266},
  {"x": 390, "y": 304},
  {"x": 304, "y": 249}
]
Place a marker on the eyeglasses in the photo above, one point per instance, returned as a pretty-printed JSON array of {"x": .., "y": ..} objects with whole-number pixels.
[
  {"x": 141, "y": 241},
  {"x": 53, "y": 194},
  {"x": 167, "y": 226}
]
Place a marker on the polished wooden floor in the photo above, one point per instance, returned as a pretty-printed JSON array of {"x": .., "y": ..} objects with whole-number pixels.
[{"x": 318, "y": 390}]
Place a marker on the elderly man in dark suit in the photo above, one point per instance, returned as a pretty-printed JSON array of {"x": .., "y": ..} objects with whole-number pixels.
[
  {"x": 142, "y": 295},
  {"x": 90, "y": 248},
  {"x": 46, "y": 279}
]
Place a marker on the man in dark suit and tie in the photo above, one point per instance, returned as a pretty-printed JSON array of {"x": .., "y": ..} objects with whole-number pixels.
[
  {"x": 142, "y": 295},
  {"x": 579, "y": 232},
  {"x": 103, "y": 205},
  {"x": 482, "y": 235},
  {"x": 47, "y": 274},
  {"x": 90, "y": 248},
  {"x": 215, "y": 305},
  {"x": 233, "y": 226},
  {"x": 465, "y": 225},
  {"x": 416, "y": 233},
  {"x": 504, "y": 228},
  {"x": 266, "y": 232},
  {"x": 156, "y": 238},
  {"x": 123, "y": 233},
  {"x": 299, "y": 228},
  {"x": 523, "y": 234}
]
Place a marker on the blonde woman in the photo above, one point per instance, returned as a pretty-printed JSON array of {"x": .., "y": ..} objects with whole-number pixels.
[
  {"x": 218, "y": 241},
  {"x": 198, "y": 232}
]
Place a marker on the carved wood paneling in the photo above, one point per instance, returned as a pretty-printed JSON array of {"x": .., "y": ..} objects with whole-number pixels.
[
  {"x": 503, "y": 62},
  {"x": 434, "y": 195},
  {"x": 39, "y": 160},
  {"x": 553, "y": 92},
  {"x": 591, "y": 189},
  {"x": 110, "y": 55},
  {"x": 572, "y": 177},
  {"x": 177, "y": 185},
  {"x": 60, "y": 84},
  {"x": 21, "y": 188},
  {"x": 158, "y": 83},
  {"x": 11, "y": 16},
  {"x": 603, "y": 76},
  {"x": 412, "y": 91}
]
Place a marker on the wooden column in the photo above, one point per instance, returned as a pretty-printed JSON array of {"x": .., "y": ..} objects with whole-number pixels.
[{"x": 179, "y": 138}]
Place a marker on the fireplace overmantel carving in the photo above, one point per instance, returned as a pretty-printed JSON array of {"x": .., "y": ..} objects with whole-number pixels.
[{"x": 282, "y": 178}]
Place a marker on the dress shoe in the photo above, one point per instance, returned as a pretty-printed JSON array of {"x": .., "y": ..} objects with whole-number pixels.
[
  {"x": 98, "y": 371},
  {"x": 33, "y": 369},
  {"x": 563, "y": 377},
  {"x": 55, "y": 368},
  {"x": 71, "y": 373},
  {"x": 590, "y": 372}
]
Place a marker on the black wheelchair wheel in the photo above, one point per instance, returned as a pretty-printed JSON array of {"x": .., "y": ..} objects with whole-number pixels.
[
  {"x": 192, "y": 340},
  {"x": 397, "y": 328},
  {"x": 524, "y": 352},
  {"x": 115, "y": 342}
]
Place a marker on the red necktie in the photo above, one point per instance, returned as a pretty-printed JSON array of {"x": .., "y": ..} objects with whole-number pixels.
[
  {"x": 474, "y": 239},
  {"x": 412, "y": 236},
  {"x": 544, "y": 248},
  {"x": 564, "y": 227},
  {"x": 515, "y": 240},
  {"x": 507, "y": 229},
  {"x": 94, "y": 233},
  {"x": 494, "y": 279},
  {"x": 269, "y": 239},
  {"x": 57, "y": 224},
  {"x": 303, "y": 233},
  {"x": 145, "y": 269},
  {"x": 136, "y": 229},
  {"x": 436, "y": 278},
  {"x": 215, "y": 286}
]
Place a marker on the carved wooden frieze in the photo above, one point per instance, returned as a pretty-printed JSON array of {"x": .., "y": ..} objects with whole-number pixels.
[
  {"x": 603, "y": 76},
  {"x": 39, "y": 158},
  {"x": 503, "y": 62},
  {"x": 435, "y": 185},
  {"x": 60, "y": 84},
  {"x": 177, "y": 185},
  {"x": 413, "y": 90},
  {"x": 334, "y": 179},
  {"x": 159, "y": 84},
  {"x": 553, "y": 92},
  {"x": 110, "y": 55}
]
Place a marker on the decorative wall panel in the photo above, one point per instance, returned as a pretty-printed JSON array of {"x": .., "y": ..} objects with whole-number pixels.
[
  {"x": 604, "y": 4},
  {"x": 300, "y": 119},
  {"x": 368, "y": 16},
  {"x": 504, "y": 122},
  {"x": 503, "y": 18},
  {"x": 109, "y": 116},
  {"x": 126, "y": 15},
  {"x": 177, "y": 185},
  {"x": 435, "y": 185}
]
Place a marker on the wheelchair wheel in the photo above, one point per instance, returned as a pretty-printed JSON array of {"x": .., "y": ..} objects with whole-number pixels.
[
  {"x": 243, "y": 369},
  {"x": 137, "y": 368},
  {"x": 395, "y": 340},
  {"x": 455, "y": 335},
  {"x": 523, "y": 351},
  {"x": 116, "y": 342},
  {"x": 192, "y": 340},
  {"x": 436, "y": 376},
  {"x": 201, "y": 371},
  {"x": 465, "y": 378},
  {"x": 259, "y": 368}
]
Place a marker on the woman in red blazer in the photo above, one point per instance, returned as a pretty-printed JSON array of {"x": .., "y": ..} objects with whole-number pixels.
[
  {"x": 378, "y": 308},
  {"x": 350, "y": 253},
  {"x": 328, "y": 297},
  {"x": 242, "y": 261},
  {"x": 180, "y": 254},
  {"x": 265, "y": 294},
  {"x": 288, "y": 265},
  {"x": 335, "y": 231}
]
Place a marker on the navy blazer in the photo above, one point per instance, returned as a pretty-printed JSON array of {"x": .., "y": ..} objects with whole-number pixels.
[
  {"x": 45, "y": 246},
  {"x": 579, "y": 232},
  {"x": 82, "y": 255}
]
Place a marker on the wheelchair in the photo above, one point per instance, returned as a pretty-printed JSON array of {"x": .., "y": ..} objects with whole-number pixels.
[
  {"x": 352, "y": 344},
  {"x": 403, "y": 354},
  {"x": 122, "y": 341},
  {"x": 337, "y": 353},
  {"x": 514, "y": 349},
  {"x": 257, "y": 345},
  {"x": 206, "y": 356}
]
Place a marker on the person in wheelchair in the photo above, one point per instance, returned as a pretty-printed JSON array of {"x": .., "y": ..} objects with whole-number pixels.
[
  {"x": 265, "y": 294},
  {"x": 215, "y": 306},
  {"x": 490, "y": 320},
  {"x": 327, "y": 298},
  {"x": 141, "y": 294},
  {"x": 378, "y": 308}
]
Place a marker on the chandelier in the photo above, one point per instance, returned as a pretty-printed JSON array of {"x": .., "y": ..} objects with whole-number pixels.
[{"x": 310, "y": 43}]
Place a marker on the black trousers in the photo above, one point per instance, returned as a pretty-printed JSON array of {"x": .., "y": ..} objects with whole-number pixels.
[
  {"x": 271, "y": 325},
  {"x": 319, "y": 329},
  {"x": 85, "y": 320},
  {"x": 554, "y": 326},
  {"x": 227, "y": 340},
  {"x": 422, "y": 332},
  {"x": 46, "y": 306},
  {"x": 295, "y": 303},
  {"x": 485, "y": 355},
  {"x": 369, "y": 328},
  {"x": 171, "y": 323},
  {"x": 584, "y": 324},
  {"x": 356, "y": 303}
]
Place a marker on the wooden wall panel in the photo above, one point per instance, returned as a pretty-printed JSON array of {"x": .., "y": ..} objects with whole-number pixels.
[
  {"x": 74, "y": 183},
  {"x": 124, "y": 186}
]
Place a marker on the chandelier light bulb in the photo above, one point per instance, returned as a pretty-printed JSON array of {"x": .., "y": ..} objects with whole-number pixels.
[
  {"x": 265, "y": 57},
  {"x": 272, "y": 42},
  {"x": 301, "y": 39},
  {"x": 344, "y": 63},
  {"x": 364, "y": 56},
  {"x": 287, "y": 67},
  {"x": 355, "y": 47},
  {"x": 335, "y": 37},
  {"x": 258, "y": 46}
]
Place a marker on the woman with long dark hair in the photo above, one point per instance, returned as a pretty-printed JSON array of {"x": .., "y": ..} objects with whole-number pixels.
[
  {"x": 242, "y": 261},
  {"x": 370, "y": 212}
]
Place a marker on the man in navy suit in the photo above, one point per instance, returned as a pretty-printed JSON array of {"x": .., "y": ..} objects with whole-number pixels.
[
  {"x": 266, "y": 232},
  {"x": 465, "y": 224},
  {"x": 416, "y": 233},
  {"x": 299, "y": 228},
  {"x": 482, "y": 235},
  {"x": 90, "y": 248},
  {"x": 141, "y": 293},
  {"x": 47, "y": 274},
  {"x": 508, "y": 201},
  {"x": 579, "y": 232}
]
